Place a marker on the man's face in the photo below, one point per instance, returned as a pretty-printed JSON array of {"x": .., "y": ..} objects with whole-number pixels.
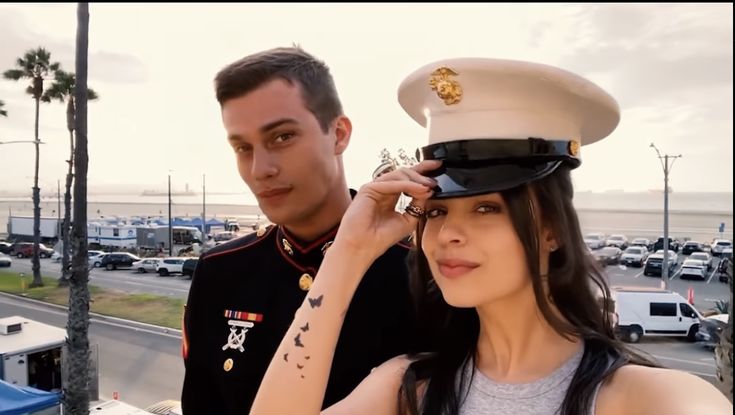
[{"x": 283, "y": 155}]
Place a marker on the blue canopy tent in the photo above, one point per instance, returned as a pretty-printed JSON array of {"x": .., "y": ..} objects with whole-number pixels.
[
  {"x": 197, "y": 223},
  {"x": 22, "y": 400}
]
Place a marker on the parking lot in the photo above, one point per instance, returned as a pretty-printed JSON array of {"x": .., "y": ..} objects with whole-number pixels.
[{"x": 706, "y": 292}]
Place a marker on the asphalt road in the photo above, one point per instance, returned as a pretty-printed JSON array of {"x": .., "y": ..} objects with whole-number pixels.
[
  {"x": 706, "y": 293},
  {"x": 122, "y": 280}
]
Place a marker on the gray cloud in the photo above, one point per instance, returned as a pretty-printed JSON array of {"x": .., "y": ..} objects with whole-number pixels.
[
  {"x": 18, "y": 36},
  {"x": 116, "y": 67},
  {"x": 650, "y": 52}
]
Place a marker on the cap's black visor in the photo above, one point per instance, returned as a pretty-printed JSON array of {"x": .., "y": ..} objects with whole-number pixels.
[{"x": 472, "y": 167}]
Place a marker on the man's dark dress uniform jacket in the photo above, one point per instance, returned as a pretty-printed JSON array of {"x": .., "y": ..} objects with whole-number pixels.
[{"x": 243, "y": 298}]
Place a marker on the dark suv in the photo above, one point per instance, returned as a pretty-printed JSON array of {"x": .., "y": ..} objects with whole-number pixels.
[
  {"x": 691, "y": 247},
  {"x": 189, "y": 266},
  {"x": 117, "y": 260},
  {"x": 673, "y": 245},
  {"x": 654, "y": 265}
]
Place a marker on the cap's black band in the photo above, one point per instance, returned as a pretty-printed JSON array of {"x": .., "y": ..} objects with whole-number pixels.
[
  {"x": 498, "y": 150},
  {"x": 472, "y": 167}
]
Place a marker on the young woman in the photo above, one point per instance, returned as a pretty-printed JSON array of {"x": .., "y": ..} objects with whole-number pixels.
[{"x": 502, "y": 278}]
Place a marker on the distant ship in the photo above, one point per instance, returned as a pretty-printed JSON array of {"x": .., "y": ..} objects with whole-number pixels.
[{"x": 186, "y": 192}]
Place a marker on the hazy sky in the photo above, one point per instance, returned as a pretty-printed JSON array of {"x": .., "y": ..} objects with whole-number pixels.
[{"x": 669, "y": 66}]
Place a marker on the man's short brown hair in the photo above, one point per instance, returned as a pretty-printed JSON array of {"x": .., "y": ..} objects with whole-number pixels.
[{"x": 291, "y": 64}]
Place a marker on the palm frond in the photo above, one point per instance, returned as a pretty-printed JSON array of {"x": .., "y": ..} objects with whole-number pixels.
[
  {"x": 65, "y": 81},
  {"x": 13, "y": 74},
  {"x": 55, "y": 91},
  {"x": 42, "y": 55}
]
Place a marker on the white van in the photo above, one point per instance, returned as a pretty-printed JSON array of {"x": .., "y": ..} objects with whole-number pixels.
[{"x": 654, "y": 312}]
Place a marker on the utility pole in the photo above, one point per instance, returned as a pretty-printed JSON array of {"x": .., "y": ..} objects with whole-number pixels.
[
  {"x": 667, "y": 168},
  {"x": 58, "y": 210},
  {"x": 170, "y": 225},
  {"x": 204, "y": 211}
]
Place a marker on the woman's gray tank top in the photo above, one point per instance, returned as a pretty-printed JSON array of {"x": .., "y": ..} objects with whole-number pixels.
[{"x": 540, "y": 397}]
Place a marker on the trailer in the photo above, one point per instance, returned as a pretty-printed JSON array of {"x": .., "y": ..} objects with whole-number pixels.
[
  {"x": 30, "y": 353},
  {"x": 112, "y": 235},
  {"x": 20, "y": 228},
  {"x": 156, "y": 237}
]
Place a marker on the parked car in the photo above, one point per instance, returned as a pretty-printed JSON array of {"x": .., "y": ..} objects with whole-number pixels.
[
  {"x": 704, "y": 257},
  {"x": 710, "y": 329},
  {"x": 649, "y": 312},
  {"x": 170, "y": 266},
  {"x": 674, "y": 245},
  {"x": 117, "y": 260},
  {"x": 691, "y": 246},
  {"x": 5, "y": 260},
  {"x": 25, "y": 250},
  {"x": 594, "y": 240},
  {"x": 693, "y": 268},
  {"x": 608, "y": 255},
  {"x": 654, "y": 264},
  {"x": 95, "y": 258},
  {"x": 634, "y": 255},
  {"x": 6, "y": 247},
  {"x": 706, "y": 247},
  {"x": 146, "y": 264},
  {"x": 646, "y": 243},
  {"x": 673, "y": 256},
  {"x": 718, "y": 245},
  {"x": 189, "y": 266},
  {"x": 620, "y": 241},
  {"x": 224, "y": 236}
]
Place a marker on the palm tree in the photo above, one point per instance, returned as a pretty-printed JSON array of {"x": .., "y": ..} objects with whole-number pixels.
[
  {"x": 76, "y": 378},
  {"x": 2, "y": 111},
  {"x": 34, "y": 65},
  {"x": 63, "y": 90}
]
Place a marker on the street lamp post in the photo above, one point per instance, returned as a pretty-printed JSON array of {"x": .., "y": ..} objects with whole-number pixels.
[
  {"x": 58, "y": 210},
  {"x": 170, "y": 227},
  {"x": 667, "y": 168}
]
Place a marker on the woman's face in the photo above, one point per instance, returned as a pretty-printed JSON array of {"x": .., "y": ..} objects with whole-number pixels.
[{"x": 473, "y": 250}]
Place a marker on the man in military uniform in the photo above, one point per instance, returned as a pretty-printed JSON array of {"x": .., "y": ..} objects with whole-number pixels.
[{"x": 285, "y": 124}]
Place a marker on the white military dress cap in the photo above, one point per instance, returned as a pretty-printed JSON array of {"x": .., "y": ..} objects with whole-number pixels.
[{"x": 497, "y": 124}]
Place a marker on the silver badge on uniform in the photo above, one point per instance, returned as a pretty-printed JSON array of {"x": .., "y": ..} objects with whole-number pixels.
[{"x": 236, "y": 338}]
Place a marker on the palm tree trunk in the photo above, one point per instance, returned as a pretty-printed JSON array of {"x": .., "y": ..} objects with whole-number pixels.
[
  {"x": 36, "y": 263},
  {"x": 66, "y": 241},
  {"x": 77, "y": 378}
]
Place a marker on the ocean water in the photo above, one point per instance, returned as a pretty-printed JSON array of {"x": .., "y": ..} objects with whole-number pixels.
[{"x": 691, "y": 215}]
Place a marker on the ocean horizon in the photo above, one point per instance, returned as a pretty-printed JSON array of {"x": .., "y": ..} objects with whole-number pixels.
[{"x": 636, "y": 214}]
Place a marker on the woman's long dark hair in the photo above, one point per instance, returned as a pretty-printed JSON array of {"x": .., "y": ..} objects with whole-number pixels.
[{"x": 451, "y": 334}]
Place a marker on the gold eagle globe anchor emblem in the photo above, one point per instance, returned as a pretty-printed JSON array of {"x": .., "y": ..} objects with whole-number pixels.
[{"x": 449, "y": 90}]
